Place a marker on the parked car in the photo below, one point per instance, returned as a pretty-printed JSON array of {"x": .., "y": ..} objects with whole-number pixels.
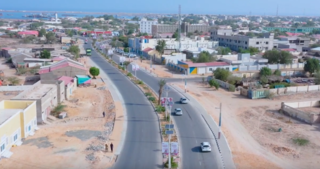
[
  {"x": 205, "y": 147},
  {"x": 183, "y": 101},
  {"x": 132, "y": 55},
  {"x": 178, "y": 112}
]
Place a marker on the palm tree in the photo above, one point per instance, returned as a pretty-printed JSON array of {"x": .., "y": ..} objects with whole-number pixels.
[
  {"x": 160, "y": 46},
  {"x": 161, "y": 83},
  {"x": 58, "y": 109}
]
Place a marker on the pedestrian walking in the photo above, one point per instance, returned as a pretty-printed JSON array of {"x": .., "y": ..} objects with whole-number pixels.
[
  {"x": 106, "y": 147},
  {"x": 104, "y": 114},
  {"x": 111, "y": 147}
]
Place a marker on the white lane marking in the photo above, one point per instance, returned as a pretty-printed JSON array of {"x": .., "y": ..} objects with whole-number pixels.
[{"x": 200, "y": 162}]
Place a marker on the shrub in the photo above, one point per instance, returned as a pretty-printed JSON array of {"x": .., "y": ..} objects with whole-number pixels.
[
  {"x": 232, "y": 88},
  {"x": 160, "y": 109},
  {"x": 173, "y": 164},
  {"x": 277, "y": 72},
  {"x": 214, "y": 83},
  {"x": 265, "y": 71},
  {"x": 221, "y": 74},
  {"x": 269, "y": 95},
  {"x": 152, "y": 99},
  {"x": 233, "y": 79},
  {"x": 119, "y": 67},
  {"x": 264, "y": 80},
  {"x": 140, "y": 82},
  {"x": 272, "y": 86},
  {"x": 129, "y": 74},
  {"x": 21, "y": 70},
  {"x": 148, "y": 94},
  {"x": 300, "y": 141}
]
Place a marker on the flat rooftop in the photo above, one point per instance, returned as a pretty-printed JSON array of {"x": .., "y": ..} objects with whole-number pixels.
[
  {"x": 36, "y": 92},
  {"x": 5, "y": 114}
]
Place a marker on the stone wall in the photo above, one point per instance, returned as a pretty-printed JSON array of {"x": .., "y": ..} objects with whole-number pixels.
[{"x": 291, "y": 110}]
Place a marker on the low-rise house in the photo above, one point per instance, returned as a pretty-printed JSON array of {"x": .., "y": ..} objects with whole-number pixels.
[
  {"x": 35, "y": 62},
  {"x": 17, "y": 121},
  {"x": 17, "y": 58},
  {"x": 173, "y": 58},
  {"x": 28, "y": 33},
  {"x": 66, "y": 67},
  {"x": 70, "y": 85},
  {"x": 203, "y": 68},
  {"x": 65, "y": 40},
  {"x": 46, "y": 96},
  {"x": 314, "y": 52}
]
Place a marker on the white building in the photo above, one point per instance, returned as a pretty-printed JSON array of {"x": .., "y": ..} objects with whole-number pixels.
[
  {"x": 146, "y": 26},
  {"x": 139, "y": 44}
]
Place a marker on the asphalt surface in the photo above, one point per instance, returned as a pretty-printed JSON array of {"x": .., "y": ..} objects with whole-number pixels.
[
  {"x": 191, "y": 127},
  {"x": 142, "y": 145}
]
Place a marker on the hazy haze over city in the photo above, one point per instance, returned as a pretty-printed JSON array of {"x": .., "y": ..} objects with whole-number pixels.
[{"x": 253, "y": 7}]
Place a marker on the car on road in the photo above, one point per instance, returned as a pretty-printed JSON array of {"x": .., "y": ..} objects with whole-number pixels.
[
  {"x": 183, "y": 101},
  {"x": 125, "y": 54},
  {"x": 205, "y": 147},
  {"x": 132, "y": 55},
  {"x": 178, "y": 112}
]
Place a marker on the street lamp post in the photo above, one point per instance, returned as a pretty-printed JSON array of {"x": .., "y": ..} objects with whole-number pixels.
[
  {"x": 219, "y": 133},
  {"x": 185, "y": 81}
]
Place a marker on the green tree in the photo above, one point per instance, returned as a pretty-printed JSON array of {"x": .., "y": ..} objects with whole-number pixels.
[
  {"x": 51, "y": 37},
  {"x": 317, "y": 78},
  {"x": 160, "y": 46},
  {"x": 135, "y": 18},
  {"x": 265, "y": 71},
  {"x": 251, "y": 50},
  {"x": 94, "y": 71},
  {"x": 42, "y": 32},
  {"x": 312, "y": 65},
  {"x": 161, "y": 84},
  {"x": 205, "y": 56},
  {"x": 126, "y": 50},
  {"x": 221, "y": 74},
  {"x": 45, "y": 54},
  {"x": 233, "y": 79},
  {"x": 277, "y": 72},
  {"x": 213, "y": 83},
  {"x": 264, "y": 80},
  {"x": 58, "y": 109},
  {"x": 275, "y": 56},
  {"x": 223, "y": 50},
  {"x": 74, "y": 50},
  {"x": 13, "y": 80},
  {"x": 126, "y": 64}
]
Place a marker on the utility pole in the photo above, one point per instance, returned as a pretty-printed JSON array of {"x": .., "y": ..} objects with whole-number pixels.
[
  {"x": 185, "y": 80},
  {"x": 179, "y": 28},
  {"x": 220, "y": 121}
]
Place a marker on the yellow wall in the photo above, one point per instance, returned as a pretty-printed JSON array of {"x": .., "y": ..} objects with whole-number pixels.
[
  {"x": 10, "y": 127},
  {"x": 11, "y": 104},
  {"x": 30, "y": 113}
]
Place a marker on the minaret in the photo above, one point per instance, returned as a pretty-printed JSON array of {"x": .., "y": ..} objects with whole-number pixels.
[
  {"x": 179, "y": 28},
  {"x": 56, "y": 17}
]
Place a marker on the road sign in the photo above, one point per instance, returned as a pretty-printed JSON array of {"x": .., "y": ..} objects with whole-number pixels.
[
  {"x": 167, "y": 88},
  {"x": 169, "y": 126},
  {"x": 166, "y": 100},
  {"x": 135, "y": 67},
  {"x": 169, "y": 132}
]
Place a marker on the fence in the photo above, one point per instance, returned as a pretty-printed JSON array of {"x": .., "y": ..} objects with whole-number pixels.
[
  {"x": 308, "y": 117},
  {"x": 271, "y": 66},
  {"x": 14, "y": 88},
  {"x": 263, "y": 93}
]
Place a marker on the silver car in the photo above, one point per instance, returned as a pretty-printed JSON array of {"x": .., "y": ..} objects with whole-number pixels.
[
  {"x": 183, "y": 101},
  {"x": 178, "y": 112},
  {"x": 205, "y": 147}
]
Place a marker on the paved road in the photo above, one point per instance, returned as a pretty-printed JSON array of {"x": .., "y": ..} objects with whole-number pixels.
[
  {"x": 192, "y": 130},
  {"x": 142, "y": 145}
]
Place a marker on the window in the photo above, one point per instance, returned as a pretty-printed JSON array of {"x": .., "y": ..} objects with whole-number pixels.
[
  {"x": 257, "y": 43},
  {"x": 29, "y": 127},
  {"x": 3, "y": 146},
  {"x": 267, "y": 42},
  {"x": 15, "y": 137},
  {"x": 210, "y": 69}
]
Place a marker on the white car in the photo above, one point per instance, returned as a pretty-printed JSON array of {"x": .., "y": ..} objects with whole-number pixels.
[
  {"x": 205, "y": 147},
  {"x": 178, "y": 112},
  {"x": 183, "y": 101}
]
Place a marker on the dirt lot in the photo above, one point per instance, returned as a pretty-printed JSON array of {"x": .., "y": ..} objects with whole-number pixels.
[
  {"x": 252, "y": 129},
  {"x": 75, "y": 142}
]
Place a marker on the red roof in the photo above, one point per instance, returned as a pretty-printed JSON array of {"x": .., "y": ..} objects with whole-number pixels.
[
  {"x": 100, "y": 32},
  {"x": 293, "y": 34},
  {"x": 191, "y": 64},
  {"x": 147, "y": 50},
  {"x": 61, "y": 64},
  {"x": 67, "y": 80},
  {"x": 146, "y": 37},
  {"x": 29, "y": 33}
]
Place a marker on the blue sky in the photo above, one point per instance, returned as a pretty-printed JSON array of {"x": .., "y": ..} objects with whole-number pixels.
[{"x": 257, "y": 7}]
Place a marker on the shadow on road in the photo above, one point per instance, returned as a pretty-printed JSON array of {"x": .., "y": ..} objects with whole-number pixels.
[{"x": 196, "y": 149}]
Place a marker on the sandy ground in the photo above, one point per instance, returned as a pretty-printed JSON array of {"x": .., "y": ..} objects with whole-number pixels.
[
  {"x": 251, "y": 127},
  {"x": 77, "y": 141},
  {"x": 10, "y": 72}
]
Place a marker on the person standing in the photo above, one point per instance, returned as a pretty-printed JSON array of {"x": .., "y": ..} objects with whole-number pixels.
[
  {"x": 106, "y": 147},
  {"x": 111, "y": 147},
  {"x": 104, "y": 114}
]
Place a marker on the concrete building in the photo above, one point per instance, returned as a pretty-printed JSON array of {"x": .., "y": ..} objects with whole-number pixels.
[
  {"x": 46, "y": 96},
  {"x": 242, "y": 59},
  {"x": 163, "y": 28},
  {"x": 138, "y": 45},
  {"x": 314, "y": 52},
  {"x": 146, "y": 26},
  {"x": 227, "y": 38},
  {"x": 191, "y": 28},
  {"x": 70, "y": 85},
  {"x": 194, "y": 52},
  {"x": 298, "y": 43},
  {"x": 174, "y": 58},
  {"x": 66, "y": 67},
  {"x": 292, "y": 30},
  {"x": 203, "y": 68},
  {"x": 17, "y": 121}
]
